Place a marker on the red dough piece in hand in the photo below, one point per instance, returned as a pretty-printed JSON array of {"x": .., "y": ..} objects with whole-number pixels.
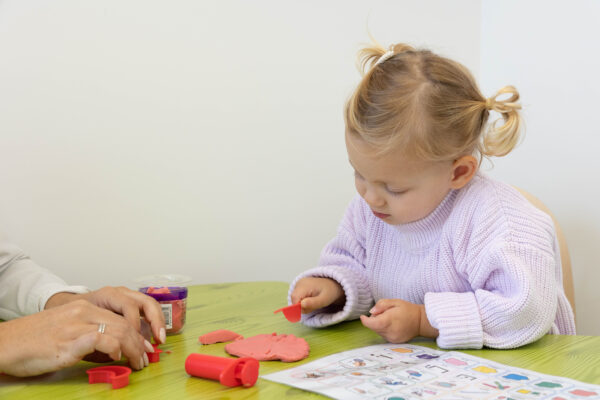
[
  {"x": 292, "y": 313},
  {"x": 287, "y": 348},
  {"x": 219, "y": 336}
]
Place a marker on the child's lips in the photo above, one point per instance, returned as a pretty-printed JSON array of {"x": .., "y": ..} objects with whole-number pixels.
[{"x": 380, "y": 215}]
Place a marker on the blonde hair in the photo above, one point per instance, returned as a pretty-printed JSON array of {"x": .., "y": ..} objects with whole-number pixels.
[{"x": 429, "y": 105}]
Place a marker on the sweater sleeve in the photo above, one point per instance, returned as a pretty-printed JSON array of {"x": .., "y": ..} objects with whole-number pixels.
[
  {"x": 513, "y": 301},
  {"x": 24, "y": 286},
  {"x": 343, "y": 260}
]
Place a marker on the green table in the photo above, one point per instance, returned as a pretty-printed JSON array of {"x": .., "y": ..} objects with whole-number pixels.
[{"x": 247, "y": 308}]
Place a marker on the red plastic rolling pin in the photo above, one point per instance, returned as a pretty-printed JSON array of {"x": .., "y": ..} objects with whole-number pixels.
[{"x": 229, "y": 371}]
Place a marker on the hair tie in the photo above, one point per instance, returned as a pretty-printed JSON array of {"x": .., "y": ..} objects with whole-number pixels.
[
  {"x": 388, "y": 54},
  {"x": 490, "y": 103}
]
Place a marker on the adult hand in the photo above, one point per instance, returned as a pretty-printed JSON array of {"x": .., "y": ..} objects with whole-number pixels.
[
  {"x": 399, "y": 321},
  {"x": 61, "y": 336},
  {"x": 316, "y": 293},
  {"x": 130, "y": 304}
]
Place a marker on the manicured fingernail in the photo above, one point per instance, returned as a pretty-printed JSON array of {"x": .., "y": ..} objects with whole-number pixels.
[
  {"x": 371, "y": 310},
  {"x": 148, "y": 347},
  {"x": 142, "y": 361},
  {"x": 163, "y": 335},
  {"x": 146, "y": 361},
  {"x": 119, "y": 356}
]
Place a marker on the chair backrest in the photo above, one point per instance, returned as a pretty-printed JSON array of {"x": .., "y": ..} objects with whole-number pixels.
[{"x": 565, "y": 258}]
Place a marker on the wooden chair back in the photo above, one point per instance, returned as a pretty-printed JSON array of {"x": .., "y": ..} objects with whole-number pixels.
[{"x": 564, "y": 250}]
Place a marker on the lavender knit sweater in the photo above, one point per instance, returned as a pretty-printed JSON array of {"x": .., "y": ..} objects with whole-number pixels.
[{"x": 485, "y": 263}]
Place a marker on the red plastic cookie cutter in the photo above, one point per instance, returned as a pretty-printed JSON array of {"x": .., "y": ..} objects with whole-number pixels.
[
  {"x": 228, "y": 371},
  {"x": 154, "y": 357},
  {"x": 115, "y": 374},
  {"x": 292, "y": 313}
]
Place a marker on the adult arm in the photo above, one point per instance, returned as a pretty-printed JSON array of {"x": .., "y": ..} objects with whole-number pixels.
[
  {"x": 25, "y": 287},
  {"x": 68, "y": 330}
]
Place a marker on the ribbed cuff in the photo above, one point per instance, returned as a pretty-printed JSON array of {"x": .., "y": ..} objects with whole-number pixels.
[
  {"x": 356, "y": 289},
  {"x": 456, "y": 317}
]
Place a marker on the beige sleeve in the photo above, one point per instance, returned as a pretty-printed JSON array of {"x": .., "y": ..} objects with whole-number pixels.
[{"x": 25, "y": 286}]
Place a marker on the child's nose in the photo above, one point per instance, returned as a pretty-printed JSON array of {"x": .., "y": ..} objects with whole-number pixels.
[{"x": 373, "y": 199}]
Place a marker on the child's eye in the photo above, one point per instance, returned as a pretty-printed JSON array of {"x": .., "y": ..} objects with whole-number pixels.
[{"x": 395, "y": 192}]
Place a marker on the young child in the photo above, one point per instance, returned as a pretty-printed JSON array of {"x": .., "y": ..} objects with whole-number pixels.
[{"x": 441, "y": 250}]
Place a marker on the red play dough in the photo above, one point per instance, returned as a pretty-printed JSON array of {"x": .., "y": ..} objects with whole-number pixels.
[
  {"x": 287, "y": 348},
  {"x": 219, "y": 336},
  {"x": 292, "y": 313},
  {"x": 178, "y": 307},
  {"x": 163, "y": 289}
]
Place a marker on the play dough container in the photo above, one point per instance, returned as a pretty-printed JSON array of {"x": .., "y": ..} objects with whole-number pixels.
[{"x": 171, "y": 292}]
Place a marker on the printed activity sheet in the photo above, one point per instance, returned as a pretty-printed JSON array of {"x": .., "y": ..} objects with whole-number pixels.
[{"x": 410, "y": 372}]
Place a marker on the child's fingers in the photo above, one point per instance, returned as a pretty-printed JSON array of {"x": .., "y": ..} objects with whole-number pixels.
[
  {"x": 315, "y": 293},
  {"x": 304, "y": 288},
  {"x": 299, "y": 295},
  {"x": 377, "y": 323},
  {"x": 296, "y": 296},
  {"x": 383, "y": 305},
  {"x": 310, "y": 304}
]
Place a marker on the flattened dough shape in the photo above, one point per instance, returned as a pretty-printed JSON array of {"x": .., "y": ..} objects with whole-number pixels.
[
  {"x": 287, "y": 348},
  {"x": 218, "y": 336}
]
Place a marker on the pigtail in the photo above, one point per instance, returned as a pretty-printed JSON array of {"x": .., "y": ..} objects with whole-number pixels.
[{"x": 499, "y": 140}]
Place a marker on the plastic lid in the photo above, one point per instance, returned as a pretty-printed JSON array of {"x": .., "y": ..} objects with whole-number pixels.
[
  {"x": 165, "y": 293},
  {"x": 162, "y": 280}
]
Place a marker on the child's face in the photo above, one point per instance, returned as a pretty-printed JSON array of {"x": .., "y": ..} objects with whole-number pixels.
[{"x": 398, "y": 188}]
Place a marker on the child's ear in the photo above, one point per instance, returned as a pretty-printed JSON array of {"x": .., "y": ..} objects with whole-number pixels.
[{"x": 463, "y": 170}]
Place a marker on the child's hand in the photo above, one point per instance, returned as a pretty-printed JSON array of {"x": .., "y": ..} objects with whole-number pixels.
[
  {"x": 316, "y": 293},
  {"x": 399, "y": 321}
]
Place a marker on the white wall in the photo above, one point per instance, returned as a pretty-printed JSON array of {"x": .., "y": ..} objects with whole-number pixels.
[
  {"x": 203, "y": 138},
  {"x": 550, "y": 52}
]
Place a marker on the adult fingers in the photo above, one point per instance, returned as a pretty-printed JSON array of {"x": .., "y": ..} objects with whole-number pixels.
[
  {"x": 152, "y": 313},
  {"x": 93, "y": 342},
  {"x": 117, "y": 300},
  {"x": 109, "y": 345},
  {"x": 146, "y": 330},
  {"x": 130, "y": 341},
  {"x": 132, "y": 305}
]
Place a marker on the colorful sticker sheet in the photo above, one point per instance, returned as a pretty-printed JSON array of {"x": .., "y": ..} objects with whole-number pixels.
[{"x": 410, "y": 372}]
